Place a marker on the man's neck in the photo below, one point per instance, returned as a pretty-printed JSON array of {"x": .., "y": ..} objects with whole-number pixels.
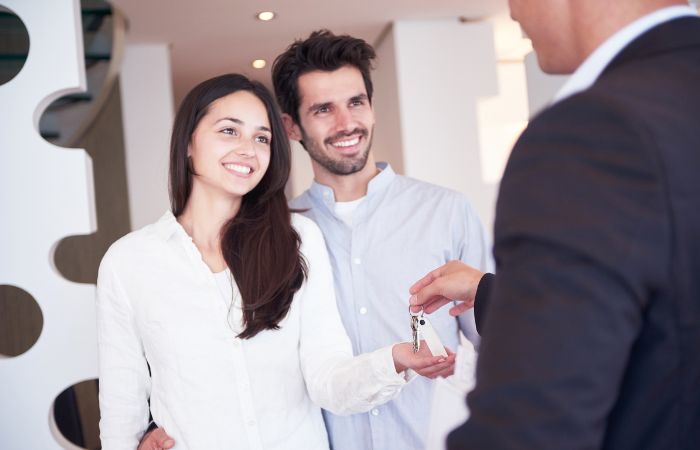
[
  {"x": 347, "y": 188},
  {"x": 599, "y": 20}
]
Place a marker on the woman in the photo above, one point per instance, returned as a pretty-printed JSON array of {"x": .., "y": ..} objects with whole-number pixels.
[{"x": 244, "y": 364}]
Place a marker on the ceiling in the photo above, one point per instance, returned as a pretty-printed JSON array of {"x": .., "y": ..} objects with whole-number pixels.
[{"x": 210, "y": 37}]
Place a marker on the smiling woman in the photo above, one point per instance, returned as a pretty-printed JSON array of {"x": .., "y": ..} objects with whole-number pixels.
[
  {"x": 223, "y": 313},
  {"x": 224, "y": 162}
]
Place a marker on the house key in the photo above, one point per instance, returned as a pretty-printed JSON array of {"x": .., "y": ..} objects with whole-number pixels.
[
  {"x": 414, "y": 331},
  {"x": 421, "y": 328}
]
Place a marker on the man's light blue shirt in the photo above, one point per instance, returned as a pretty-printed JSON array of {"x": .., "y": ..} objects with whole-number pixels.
[{"x": 403, "y": 229}]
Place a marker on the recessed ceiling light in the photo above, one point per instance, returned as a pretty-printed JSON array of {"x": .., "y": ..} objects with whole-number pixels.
[
  {"x": 259, "y": 63},
  {"x": 266, "y": 15}
]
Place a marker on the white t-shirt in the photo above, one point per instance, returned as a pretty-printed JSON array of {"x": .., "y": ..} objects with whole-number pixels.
[{"x": 346, "y": 210}]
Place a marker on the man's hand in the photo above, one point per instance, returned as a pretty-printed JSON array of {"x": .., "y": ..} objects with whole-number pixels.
[
  {"x": 423, "y": 362},
  {"x": 156, "y": 439},
  {"x": 452, "y": 281}
]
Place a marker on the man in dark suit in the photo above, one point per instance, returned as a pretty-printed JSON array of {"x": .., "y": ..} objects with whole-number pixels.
[{"x": 591, "y": 338}]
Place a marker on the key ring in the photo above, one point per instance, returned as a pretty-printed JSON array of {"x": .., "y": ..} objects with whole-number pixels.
[{"x": 421, "y": 312}]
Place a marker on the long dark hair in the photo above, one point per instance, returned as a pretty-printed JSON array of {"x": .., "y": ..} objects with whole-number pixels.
[{"x": 259, "y": 244}]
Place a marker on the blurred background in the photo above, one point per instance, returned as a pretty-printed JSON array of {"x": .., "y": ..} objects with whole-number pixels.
[{"x": 455, "y": 84}]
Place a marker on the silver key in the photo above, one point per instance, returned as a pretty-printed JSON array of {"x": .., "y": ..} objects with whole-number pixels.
[{"x": 415, "y": 332}]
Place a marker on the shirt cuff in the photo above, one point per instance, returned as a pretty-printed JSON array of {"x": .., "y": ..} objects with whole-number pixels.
[
  {"x": 409, "y": 375},
  {"x": 383, "y": 362}
]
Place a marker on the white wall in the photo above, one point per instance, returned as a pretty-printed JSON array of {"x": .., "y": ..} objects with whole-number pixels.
[
  {"x": 451, "y": 100},
  {"x": 147, "y": 115},
  {"x": 541, "y": 87},
  {"x": 301, "y": 174},
  {"x": 442, "y": 69},
  {"x": 387, "y": 143},
  {"x": 46, "y": 194}
]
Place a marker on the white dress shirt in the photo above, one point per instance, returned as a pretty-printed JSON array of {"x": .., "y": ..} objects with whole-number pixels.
[
  {"x": 158, "y": 303},
  {"x": 595, "y": 64}
]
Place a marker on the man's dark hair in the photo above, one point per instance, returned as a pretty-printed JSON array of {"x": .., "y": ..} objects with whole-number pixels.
[{"x": 322, "y": 50}]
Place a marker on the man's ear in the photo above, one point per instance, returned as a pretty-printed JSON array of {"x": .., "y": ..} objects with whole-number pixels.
[{"x": 293, "y": 130}]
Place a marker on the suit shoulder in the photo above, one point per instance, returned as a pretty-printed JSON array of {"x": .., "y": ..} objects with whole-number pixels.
[{"x": 590, "y": 115}]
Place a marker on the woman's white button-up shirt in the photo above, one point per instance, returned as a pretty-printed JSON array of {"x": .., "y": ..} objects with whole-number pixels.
[{"x": 167, "y": 332}]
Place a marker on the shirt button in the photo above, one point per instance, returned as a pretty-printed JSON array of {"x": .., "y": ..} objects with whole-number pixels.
[
  {"x": 363, "y": 310},
  {"x": 375, "y": 412},
  {"x": 357, "y": 261}
]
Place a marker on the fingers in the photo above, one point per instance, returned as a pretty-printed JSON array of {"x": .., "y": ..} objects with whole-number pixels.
[
  {"x": 158, "y": 439},
  {"x": 429, "y": 292},
  {"x": 428, "y": 305},
  {"x": 459, "y": 308},
  {"x": 421, "y": 363},
  {"x": 436, "y": 304},
  {"x": 426, "y": 280},
  {"x": 438, "y": 369},
  {"x": 446, "y": 373},
  {"x": 170, "y": 443},
  {"x": 423, "y": 282}
]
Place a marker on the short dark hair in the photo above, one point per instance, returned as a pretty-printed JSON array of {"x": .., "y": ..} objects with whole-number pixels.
[{"x": 322, "y": 50}]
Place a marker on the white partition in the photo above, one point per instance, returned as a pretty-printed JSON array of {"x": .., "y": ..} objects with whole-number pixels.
[
  {"x": 441, "y": 69},
  {"x": 45, "y": 195},
  {"x": 147, "y": 115},
  {"x": 451, "y": 100}
]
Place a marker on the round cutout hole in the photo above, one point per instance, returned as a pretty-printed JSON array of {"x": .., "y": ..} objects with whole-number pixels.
[
  {"x": 77, "y": 415},
  {"x": 14, "y": 44},
  {"x": 21, "y": 321}
]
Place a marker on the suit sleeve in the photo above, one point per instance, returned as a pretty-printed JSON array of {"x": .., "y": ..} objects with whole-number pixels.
[
  {"x": 580, "y": 242},
  {"x": 481, "y": 300}
]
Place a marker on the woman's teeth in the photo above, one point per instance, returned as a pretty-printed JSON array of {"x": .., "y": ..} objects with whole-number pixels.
[{"x": 238, "y": 168}]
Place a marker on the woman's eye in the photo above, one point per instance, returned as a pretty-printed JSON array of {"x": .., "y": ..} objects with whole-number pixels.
[
  {"x": 322, "y": 110},
  {"x": 264, "y": 139},
  {"x": 229, "y": 131}
]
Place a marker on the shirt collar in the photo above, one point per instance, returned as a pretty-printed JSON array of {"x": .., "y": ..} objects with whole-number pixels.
[
  {"x": 595, "y": 64},
  {"x": 377, "y": 184},
  {"x": 167, "y": 226}
]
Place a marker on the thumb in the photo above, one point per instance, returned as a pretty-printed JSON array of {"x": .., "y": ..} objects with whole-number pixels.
[{"x": 162, "y": 439}]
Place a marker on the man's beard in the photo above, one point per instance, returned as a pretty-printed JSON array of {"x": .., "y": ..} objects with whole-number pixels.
[{"x": 342, "y": 166}]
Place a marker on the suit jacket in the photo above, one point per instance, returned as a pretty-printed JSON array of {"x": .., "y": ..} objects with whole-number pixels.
[{"x": 592, "y": 336}]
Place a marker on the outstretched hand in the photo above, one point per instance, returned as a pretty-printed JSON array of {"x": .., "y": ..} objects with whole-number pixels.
[
  {"x": 452, "y": 281},
  {"x": 423, "y": 362},
  {"x": 157, "y": 439}
]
